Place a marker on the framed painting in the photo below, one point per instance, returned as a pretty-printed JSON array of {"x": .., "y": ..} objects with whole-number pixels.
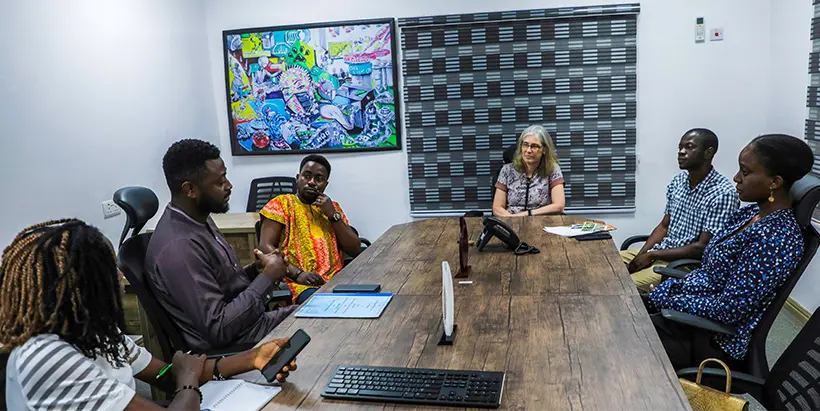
[{"x": 325, "y": 87}]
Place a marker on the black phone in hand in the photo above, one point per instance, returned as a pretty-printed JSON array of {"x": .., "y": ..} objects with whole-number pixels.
[{"x": 296, "y": 343}]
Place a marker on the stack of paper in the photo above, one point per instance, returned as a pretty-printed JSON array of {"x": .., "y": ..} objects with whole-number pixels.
[{"x": 587, "y": 227}]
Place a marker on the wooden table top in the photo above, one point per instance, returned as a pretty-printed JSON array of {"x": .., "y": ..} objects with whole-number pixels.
[{"x": 566, "y": 325}]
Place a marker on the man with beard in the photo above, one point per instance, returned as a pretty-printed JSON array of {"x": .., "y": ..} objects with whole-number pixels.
[
  {"x": 699, "y": 201},
  {"x": 194, "y": 272},
  {"x": 309, "y": 229}
]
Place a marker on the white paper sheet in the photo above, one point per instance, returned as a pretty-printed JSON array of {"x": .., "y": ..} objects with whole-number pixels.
[{"x": 345, "y": 305}]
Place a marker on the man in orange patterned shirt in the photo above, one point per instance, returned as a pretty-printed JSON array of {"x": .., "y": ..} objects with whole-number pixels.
[{"x": 310, "y": 229}]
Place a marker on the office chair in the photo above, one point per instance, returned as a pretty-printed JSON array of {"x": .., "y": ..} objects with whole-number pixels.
[
  {"x": 364, "y": 244},
  {"x": 132, "y": 264},
  {"x": 4, "y": 359},
  {"x": 508, "y": 156},
  {"x": 140, "y": 205},
  {"x": 793, "y": 382},
  {"x": 263, "y": 189},
  {"x": 805, "y": 195}
]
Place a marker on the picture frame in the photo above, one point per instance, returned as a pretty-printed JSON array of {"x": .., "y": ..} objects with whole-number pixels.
[{"x": 313, "y": 88}]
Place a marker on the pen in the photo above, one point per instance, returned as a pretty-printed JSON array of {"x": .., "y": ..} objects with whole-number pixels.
[{"x": 165, "y": 369}]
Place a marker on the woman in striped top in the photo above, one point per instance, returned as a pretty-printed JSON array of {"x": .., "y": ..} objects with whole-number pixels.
[{"x": 61, "y": 315}]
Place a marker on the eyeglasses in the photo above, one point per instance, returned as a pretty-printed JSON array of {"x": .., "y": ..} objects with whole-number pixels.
[{"x": 534, "y": 147}]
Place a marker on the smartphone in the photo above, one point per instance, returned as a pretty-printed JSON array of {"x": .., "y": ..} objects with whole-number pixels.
[
  {"x": 357, "y": 288},
  {"x": 297, "y": 342}
]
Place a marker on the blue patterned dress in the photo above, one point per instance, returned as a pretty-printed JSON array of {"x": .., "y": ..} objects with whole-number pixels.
[{"x": 740, "y": 275}]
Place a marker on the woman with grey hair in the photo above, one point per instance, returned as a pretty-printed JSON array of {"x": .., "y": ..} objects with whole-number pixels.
[{"x": 533, "y": 183}]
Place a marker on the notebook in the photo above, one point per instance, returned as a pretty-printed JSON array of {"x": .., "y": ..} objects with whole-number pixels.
[{"x": 236, "y": 395}]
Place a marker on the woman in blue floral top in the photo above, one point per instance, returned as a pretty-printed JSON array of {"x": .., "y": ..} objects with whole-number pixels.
[{"x": 746, "y": 263}]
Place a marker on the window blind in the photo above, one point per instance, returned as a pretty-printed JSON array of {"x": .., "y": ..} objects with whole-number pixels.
[
  {"x": 813, "y": 97},
  {"x": 473, "y": 82}
]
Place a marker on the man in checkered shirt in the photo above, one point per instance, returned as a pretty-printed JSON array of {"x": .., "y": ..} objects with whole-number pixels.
[{"x": 699, "y": 201}]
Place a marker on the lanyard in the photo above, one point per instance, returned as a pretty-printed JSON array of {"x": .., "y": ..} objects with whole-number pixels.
[{"x": 527, "y": 196}]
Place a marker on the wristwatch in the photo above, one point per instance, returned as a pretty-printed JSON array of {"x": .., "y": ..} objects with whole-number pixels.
[{"x": 336, "y": 217}]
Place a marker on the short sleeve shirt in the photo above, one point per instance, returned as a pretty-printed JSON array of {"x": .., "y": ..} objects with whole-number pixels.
[
  {"x": 527, "y": 193},
  {"x": 48, "y": 373},
  {"x": 308, "y": 239},
  {"x": 692, "y": 211}
]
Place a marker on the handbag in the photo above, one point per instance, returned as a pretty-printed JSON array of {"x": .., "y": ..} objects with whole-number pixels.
[{"x": 703, "y": 398}]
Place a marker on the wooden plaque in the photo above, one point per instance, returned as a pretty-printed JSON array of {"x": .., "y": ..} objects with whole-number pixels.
[{"x": 463, "y": 250}]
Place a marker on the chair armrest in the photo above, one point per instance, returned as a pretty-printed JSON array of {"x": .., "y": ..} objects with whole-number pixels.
[
  {"x": 632, "y": 240},
  {"x": 281, "y": 295},
  {"x": 692, "y": 373},
  {"x": 365, "y": 241},
  {"x": 684, "y": 263},
  {"x": 226, "y": 351},
  {"x": 698, "y": 322},
  {"x": 669, "y": 272}
]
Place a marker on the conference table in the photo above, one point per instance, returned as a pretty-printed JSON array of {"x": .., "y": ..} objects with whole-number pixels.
[{"x": 566, "y": 325}]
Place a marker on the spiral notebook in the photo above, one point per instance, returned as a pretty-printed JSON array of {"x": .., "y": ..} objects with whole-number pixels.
[{"x": 236, "y": 395}]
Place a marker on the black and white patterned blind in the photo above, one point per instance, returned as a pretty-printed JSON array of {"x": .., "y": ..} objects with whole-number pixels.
[
  {"x": 813, "y": 98},
  {"x": 473, "y": 82}
]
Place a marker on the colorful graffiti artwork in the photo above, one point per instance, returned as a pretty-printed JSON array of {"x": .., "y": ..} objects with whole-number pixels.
[{"x": 312, "y": 88}]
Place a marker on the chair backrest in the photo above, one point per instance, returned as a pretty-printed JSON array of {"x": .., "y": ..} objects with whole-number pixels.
[
  {"x": 794, "y": 382},
  {"x": 4, "y": 359},
  {"x": 805, "y": 195},
  {"x": 265, "y": 188},
  {"x": 509, "y": 155},
  {"x": 132, "y": 265},
  {"x": 140, "y": 204}
]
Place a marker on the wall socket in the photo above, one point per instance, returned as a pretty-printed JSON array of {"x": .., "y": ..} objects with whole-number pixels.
[{"x": 110, "y": 209}]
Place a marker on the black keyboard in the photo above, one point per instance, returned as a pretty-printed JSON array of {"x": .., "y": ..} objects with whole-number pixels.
[{"x": 416, "y": 386}]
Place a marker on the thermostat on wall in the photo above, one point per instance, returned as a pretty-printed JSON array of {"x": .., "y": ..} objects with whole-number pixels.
[{"x": 700, "y": 30}]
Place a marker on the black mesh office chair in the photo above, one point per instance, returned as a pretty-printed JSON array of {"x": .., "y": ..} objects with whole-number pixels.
[
  {"x": 131, "y": 262},
  {"x": 140, "y": 204},
  {"x": 792, "y": 384},
  {"x": 507, "y": 158},
  {"x": 805, "y": 195},
  {"x": 4, "y": 359},
  {"x": 263, "y": 189}
]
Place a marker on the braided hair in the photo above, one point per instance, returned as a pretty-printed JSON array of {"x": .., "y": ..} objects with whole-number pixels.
[{"x": 60, "y": 277}]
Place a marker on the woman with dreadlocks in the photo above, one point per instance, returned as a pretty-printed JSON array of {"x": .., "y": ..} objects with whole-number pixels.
[{"x": 61, "y": 315}]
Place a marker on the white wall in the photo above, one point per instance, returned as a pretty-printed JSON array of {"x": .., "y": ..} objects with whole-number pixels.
[
  {"x": 790, "y": 48},
  {"x": 92, "y": 95},
  {"x": 722, "y": 86},
  {"x": 93, "y": 92}
]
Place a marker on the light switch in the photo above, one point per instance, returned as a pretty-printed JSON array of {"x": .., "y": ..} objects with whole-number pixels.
[{"x": 716, "y": 34}]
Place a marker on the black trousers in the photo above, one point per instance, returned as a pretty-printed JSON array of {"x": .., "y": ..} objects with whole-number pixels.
[{"x": 686, "y": 346}]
